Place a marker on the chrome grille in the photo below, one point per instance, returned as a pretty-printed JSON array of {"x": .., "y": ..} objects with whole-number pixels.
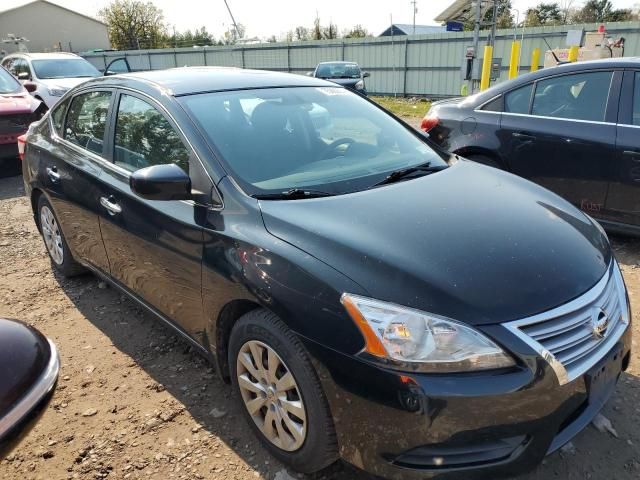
[{"x": 575, "y": 336}]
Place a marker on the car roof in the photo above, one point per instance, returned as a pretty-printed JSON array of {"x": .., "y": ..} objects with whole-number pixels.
[
  {"x": 338, "y": 61},
  {"x": 189, "y": 80},
  {"x": 49, "y": 56}
]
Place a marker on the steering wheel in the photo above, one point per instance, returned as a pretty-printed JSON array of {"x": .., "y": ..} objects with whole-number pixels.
[{"x": 335, "y": 144}]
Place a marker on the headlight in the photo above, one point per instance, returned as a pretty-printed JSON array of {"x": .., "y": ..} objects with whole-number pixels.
[
  {"x": 360, "y": 85},
  {"x": 57, "y": 92},
  {"x": 422, "y": 341}
]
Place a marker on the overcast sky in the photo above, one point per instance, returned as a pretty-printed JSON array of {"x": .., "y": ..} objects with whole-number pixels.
[{"x": 264, "y": 18}]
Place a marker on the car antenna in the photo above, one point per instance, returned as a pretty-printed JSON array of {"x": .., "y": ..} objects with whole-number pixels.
[{"x": 552, "y": 52}]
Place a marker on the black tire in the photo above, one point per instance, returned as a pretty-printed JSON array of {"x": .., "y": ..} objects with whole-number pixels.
[
  {"x": 484, "y": 160},
  {"x": 320, "y": 447},
  {"x": 68, "y": 267}
]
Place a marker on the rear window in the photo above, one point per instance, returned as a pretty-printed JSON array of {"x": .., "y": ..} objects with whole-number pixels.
[
  {"x": 87, "y": 120},
  {"x": 518, "y": 100},
  {"x": 636, "y": 101}
]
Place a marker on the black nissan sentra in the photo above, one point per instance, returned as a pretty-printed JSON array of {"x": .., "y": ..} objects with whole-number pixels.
[{"x": 368, "y": 296}]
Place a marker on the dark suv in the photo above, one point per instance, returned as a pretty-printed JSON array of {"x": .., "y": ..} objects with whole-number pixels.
[
  {"x": 369, "y": 296},
  {"x": 574, "y": 129}
]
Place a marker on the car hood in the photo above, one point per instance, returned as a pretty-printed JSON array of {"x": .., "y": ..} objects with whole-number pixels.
[
  {"x": 470, "y": 243},
  {"x": 346, "y": 82},
  {"x": 66, "y": 83},
  {"x": 13, "y": 103}
]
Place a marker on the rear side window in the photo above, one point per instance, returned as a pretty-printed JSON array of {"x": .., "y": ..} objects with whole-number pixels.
[
  {"x": 518, "y": 100},
  {"x": 144, "y": 137},
  {"x": 87, "y": 119},
  {"x": 57, "y": 116},
  {"x": 636, "y": 100},
  {"x": 581, "y": 96}
]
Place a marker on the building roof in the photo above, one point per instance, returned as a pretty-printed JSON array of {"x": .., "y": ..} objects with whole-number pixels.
[
  {"x": 407, "y": 29},
  {"x": 23, "y": 3},
  {"x": 188, "y": 80}
]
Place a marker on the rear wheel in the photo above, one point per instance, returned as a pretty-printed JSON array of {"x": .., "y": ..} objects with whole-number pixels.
[
  {"x": 283, "y": 400},
  {"x": 54, "y": 241},
  {"x": 484, "y": 160}
]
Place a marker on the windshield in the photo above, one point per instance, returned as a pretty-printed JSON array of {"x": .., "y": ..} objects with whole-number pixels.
[
  {"x": 320, "y": 138},
  {"x": 64, "y": 68},
  {"x": 8, "y": 83},
  {"x": 338, "y": 70}
]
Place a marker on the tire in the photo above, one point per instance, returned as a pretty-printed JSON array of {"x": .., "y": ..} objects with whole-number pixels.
[
  {"x": 262, "y": 332},
  {"x": 484, "y": 160},
  {"x": 54, "y": 241}
]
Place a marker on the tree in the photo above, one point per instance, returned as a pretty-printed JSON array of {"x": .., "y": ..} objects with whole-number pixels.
[
  {"x": 330, "y": 32},
  {"x": 316, "y": 32},
  {"x": 504, "y": 17},
  {"x": 272, "y": 39},
  {"x": 133, "y": 24},
  {"x": 599, "y": 11},
  {"x": 301, "y": 33},
  {"x": 544, "y": 14},
  {"x": 357, "y": 31},
  {"x": 234, "y": 34}
]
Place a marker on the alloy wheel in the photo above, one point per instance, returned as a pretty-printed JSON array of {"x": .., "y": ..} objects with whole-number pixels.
[
  {"x": 52, "y": 235},
  {"x": 271, "y": 396}
]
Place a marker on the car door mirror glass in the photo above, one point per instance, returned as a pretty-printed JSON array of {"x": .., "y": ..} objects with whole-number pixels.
[
  {"x": 161, "y": 182},
  {"x": 366, "y": 75}
]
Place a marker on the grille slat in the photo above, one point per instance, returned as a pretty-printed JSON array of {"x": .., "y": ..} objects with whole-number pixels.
[{"x": 570, "y": 333}]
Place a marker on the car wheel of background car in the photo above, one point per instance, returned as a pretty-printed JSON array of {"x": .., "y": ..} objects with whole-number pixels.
[
  {"x": 54, "y": 241},
  {"x": 484, "y": 160},
  {"x": 283, "y": 400}
]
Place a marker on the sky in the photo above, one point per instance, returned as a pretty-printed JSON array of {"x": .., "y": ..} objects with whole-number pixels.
[{"x": 263, "y": 18}]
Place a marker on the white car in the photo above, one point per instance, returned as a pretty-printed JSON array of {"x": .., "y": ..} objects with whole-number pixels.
[{"x": 52, "y": 73}]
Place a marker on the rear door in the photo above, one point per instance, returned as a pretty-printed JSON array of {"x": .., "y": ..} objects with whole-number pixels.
[
  {"x": 70, "y": 169},
  {"x": 565, "y": 141},
  {"x": 624, "y": 196},
  {"x": 154, "y": 247}
]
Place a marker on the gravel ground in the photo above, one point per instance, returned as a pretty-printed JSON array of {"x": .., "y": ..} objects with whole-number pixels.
[{"x": 134, "y": 401}]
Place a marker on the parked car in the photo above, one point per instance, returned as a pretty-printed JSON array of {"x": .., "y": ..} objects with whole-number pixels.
[
  {"x": 347, "y": 74},
  {"x": 28, "y": 374},
  {"x": 52, "y": 73},
  {"x": 17, "y": 110},
  {"x": 368, "y": 295},
  {"x": 574, "y": 129}
]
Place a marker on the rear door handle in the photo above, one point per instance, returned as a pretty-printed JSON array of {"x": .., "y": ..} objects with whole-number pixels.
[
  {"x": 525, "y": 137},
  {"x": 110, "y": 205},
  {"x": 52, "y": 173}
]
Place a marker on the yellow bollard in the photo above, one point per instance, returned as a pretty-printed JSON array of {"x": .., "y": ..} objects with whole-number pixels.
[
  {"x": 486, "y": 67},
  {"x": 515, "y": 58},
  {"x": 573, "y": 53},
  {"x": 535, "y": 59}
]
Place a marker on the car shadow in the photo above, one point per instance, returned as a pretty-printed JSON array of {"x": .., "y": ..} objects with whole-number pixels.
[
  {"x": 172, "y": 363},
  {"x": 11, "y": 187}
]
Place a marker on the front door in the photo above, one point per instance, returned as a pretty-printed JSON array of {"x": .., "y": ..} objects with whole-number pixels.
[
  {"x": 564, "y": 142},
  {"x": 624, "y": 196},
  {"x": 154, "y": 247}
]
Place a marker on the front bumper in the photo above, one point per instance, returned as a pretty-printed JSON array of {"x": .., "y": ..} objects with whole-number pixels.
[{"x": 418, "y": 426}]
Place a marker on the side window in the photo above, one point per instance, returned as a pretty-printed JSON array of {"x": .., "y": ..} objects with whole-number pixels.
[
  {"x": 144, "y": 137},
  {"x": 636, "y": 100},
  {"x": 57, "y": 116},
  {"x": 581, "y": 96},
  {"x": 518, "y": 100},
  {"x": 87, "y": 119},
  {"x": 8, "y": 64}
]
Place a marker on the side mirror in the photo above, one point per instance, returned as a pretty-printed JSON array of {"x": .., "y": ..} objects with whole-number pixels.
[
  {"x": 30, "y": 87},
  {"x": 30, "y": 365},
  {"x": 365, "y": 74},
  {"x": 24, "y": 76},
  {"x": 161, "y": 182}
]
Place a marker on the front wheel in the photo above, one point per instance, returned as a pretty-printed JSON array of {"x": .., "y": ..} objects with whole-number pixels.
[{"x": 283, "y": 400}]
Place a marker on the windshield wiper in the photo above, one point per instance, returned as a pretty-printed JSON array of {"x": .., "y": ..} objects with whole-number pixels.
[
  {"x": 293, "y": 194},
  {"x": 405, "y": 172}
]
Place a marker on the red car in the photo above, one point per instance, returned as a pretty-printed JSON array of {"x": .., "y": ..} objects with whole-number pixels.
[{"x": 17, "y": 110}]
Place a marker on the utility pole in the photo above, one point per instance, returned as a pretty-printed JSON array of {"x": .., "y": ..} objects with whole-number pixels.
[
  {"x": 415, "y": 10},
  {"x": 476, "y": 45},
  {"x": 233, "y": 20}
]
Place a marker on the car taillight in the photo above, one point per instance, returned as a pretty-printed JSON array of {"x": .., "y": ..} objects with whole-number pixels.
[
  {"x": 429, "y": 122},
  {"x": 22, "y": 143}
]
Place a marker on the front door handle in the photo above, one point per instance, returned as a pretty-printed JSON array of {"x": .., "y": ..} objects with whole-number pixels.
[
  {"x": 634, "y": 154},
  {"x": 52, "y": 173},
  {"x": 525, "y": 137},
  {"x": 110, "y": 205}
]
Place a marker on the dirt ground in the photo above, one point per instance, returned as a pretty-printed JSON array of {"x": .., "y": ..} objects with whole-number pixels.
[{"x": 134, "y": 401}]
